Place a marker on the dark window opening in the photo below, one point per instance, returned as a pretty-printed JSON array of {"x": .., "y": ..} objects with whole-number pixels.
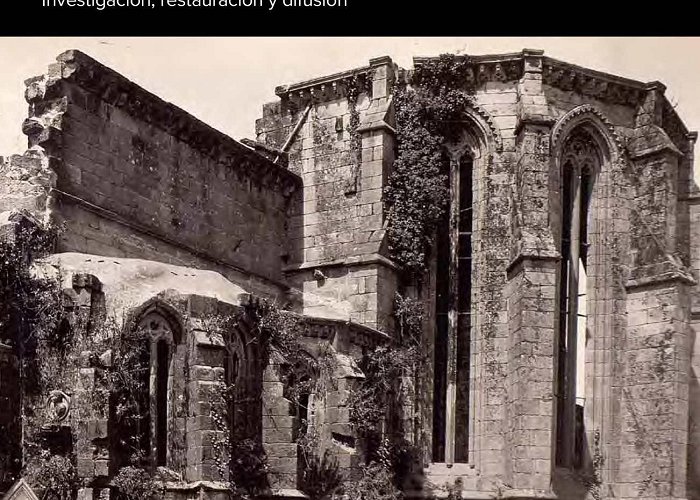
[
  {"x": 579, "y": 158},
  {"x": 562, "y": 379},
  {"x": 161, "y": 402},
  {"x": 453, "y": 320},
  {"x": 143, "y": 420}
]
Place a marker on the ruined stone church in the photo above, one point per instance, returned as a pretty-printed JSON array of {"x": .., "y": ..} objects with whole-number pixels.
[{"x": 560, "y": 303}]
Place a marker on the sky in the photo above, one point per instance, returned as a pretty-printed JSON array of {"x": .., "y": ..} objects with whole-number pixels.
[{"x": 225, "y": 81}]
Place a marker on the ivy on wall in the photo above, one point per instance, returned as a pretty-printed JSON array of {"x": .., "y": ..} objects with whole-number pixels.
[
  {"x": 277, "y": 334},
  {"x": 373, "y": 403},
  {"x": 30, "y": 311},
  {"x": 428, "y": 112},
  {"x": 353, "y": 94}
]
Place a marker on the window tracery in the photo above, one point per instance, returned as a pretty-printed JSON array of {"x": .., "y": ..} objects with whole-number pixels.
[
  {"x": 580, "y": 161},
  {"x": 160, "y": 340}
]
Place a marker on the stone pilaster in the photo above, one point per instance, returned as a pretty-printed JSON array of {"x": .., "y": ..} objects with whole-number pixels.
[
  {"x": 531, "y": 295},
  {"x": 206, "y": 375},
  {"x": 531, "y": 292},
  {"x": 650, "y": 459},
  {"x": 278, "y": 430}
]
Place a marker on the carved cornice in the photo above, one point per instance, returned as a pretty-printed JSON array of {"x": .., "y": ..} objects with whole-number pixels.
[
  {"x": 325, "y": 88},
  {"x": 487, "y": 68},
  {"x": 327, "y": 329},
  {"x": 596, "y": 84},
  {"x": 114, "y": 89}
]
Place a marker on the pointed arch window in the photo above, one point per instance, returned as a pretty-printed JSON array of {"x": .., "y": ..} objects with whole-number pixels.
[
  {"x": 580, "y": 160},
  {"x": 158, "y": 355},
  {"x": 242, "y": 374},
  {"x": 453, "y": 318}
]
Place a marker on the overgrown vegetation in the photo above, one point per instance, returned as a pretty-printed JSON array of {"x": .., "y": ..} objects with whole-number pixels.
[
  {"x": 353, "y": 94},
  {"x": 30, "y": 306},
  {"x": 54, "y": 476},
  {"x": 428, "y": 112},
  {"x": 276, "y": 335},
  {"x": 375, "y": 401},
  {"x": 376, "y": 482},
  {"x": 53, "y": 339},
  {"x": 30, "y": 311},
  {"x": 135, "y": 483},
  {"x": 320, "y": 475}
]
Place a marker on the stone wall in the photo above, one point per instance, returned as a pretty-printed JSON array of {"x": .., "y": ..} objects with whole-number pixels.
[
  {"x": 342, "y": 148},
  {"x": 26, "y": 180},
  {"x": 524, "y": 105},
  {"x": 139, "y": 177},
  {"x": 694, "y": 347}
]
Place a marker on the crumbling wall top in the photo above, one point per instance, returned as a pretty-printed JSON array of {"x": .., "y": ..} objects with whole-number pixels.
[{"x": 115, "y": 89}]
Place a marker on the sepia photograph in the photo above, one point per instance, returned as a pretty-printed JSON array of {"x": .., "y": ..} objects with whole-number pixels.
[{"x": 349, "y": 268}]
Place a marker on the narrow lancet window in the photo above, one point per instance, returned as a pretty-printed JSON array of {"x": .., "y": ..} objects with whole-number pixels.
[
  {"x": 579, "y": 163},
  {"x": 161, "y": 343},
  {"x": 161, "y": 402},
  {"x": 453, "y": 320}
]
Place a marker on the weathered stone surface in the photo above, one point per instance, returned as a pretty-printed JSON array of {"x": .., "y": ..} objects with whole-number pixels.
[{"x": 167, "y": 216}]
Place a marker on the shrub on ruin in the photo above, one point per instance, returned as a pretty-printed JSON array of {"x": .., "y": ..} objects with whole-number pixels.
[
  {"x": 55, "y": 476},
  {"x": 375, "y": 483},
  {"x": 135, "y": 483}
]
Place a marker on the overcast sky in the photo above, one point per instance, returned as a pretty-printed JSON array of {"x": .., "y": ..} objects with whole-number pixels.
[{"x": 225, "y": 81}]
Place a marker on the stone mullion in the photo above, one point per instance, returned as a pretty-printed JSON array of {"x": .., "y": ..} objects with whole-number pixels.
[
  {"x": 598, "y": 364},
  {"x": 452, "y": 318},
  {"x": 569, "y": 391}
]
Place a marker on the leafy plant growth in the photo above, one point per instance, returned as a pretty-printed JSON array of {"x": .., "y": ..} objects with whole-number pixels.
[
  {"x": 135, "y": 483},
  {"x": 428, "y": 113}
]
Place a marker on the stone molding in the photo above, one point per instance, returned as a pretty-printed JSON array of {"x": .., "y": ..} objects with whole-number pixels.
[
  {"x": 592, "y": 83},
  {"x": 532, "y": 259},
  {"x": 352, "y": 261},
  {"x": 487, "y": 68},
  {"x": 580, "y": 112},
  {"x": 655, "y": 274},
  {"x": 488, "y": 120}
]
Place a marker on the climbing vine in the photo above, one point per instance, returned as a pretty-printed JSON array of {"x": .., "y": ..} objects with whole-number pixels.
[
  {"x": 243, "y": 460},
  {"x": 417, "y": 193},
  {"x": 373, "y": 403},
  {"x": 353, "y": 93},
  {"x": 53, "y": 340},
  {"x": 29, "y": 315}
]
